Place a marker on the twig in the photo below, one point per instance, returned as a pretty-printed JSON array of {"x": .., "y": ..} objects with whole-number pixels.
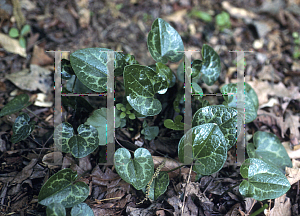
[{"x": 184, "y": 195}]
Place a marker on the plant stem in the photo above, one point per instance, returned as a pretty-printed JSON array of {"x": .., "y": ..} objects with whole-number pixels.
[
  {"x": 260, "y": 210},
  {"x": 74, "y": 83},
  {"x": 174, "y": 169},
  {"x": 43, "y": 121}
]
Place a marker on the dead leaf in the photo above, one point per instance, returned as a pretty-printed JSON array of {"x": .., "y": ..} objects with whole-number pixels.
[
  {"x": 268, "y": 73},
  {"x": 176, "y": 17},
  {"x": 12, "y": 45},
  {"x": 33, "y": 79},
  {"x": 25, "y": 173},
  {"x": 264, "y": 88},
  {"x": 271, "y": 120},
  {"x": 39, "y": 57},
  {"x": 108, "y": 178},
  {"x": 292, "y": 122},
  {"x": 292, "y": 154},
  {"x": 282, "y": 206},
  {"x": 238, "y": 12},
  {"x": 235, "y": 210},
  {"x": 41, "y": 101},
  {"x": 53, "y": 159},
  {"x": 293, "y": 174},
  {"x": 249, "y": 202}
]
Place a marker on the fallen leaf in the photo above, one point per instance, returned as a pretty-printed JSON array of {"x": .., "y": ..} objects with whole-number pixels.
[
  {"x": 264, "y": 88},
  {"x": 39, "y": 57},
  {"x": 238, "y": 12},
  {"x": 53, "y": 159},
  {"x": 12, "y": 45},
  {"x": 281, "y": 207},
  {"x": 33, "y": 79},
  {"x": 293, "y": 174},
  {"x": 292, "y": 122},
  {"x": 176, "y": 17},
  {"x": 292, "y": 154}
]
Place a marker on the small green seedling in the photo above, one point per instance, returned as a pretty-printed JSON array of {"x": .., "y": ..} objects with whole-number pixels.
[
  {"x": 14, "y": 33},
  {"x": 223, "y": 21},
  {"x": 296, "y": 53}
]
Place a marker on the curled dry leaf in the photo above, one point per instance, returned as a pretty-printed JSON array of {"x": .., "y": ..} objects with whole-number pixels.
[
  {"x": 172, "y": 164},
  {"x": 293, "y": 174},
  {"x": 12, "y": 45},
  {"x": 282, "y": 206},
  {"x": 53, "y": 159}
]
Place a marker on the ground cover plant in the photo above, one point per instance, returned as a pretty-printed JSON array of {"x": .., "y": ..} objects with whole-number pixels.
[{"x": 214, "y": 127}]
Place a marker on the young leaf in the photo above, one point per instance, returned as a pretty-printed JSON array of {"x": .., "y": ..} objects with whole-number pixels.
[
  {"x": 60, "y": 188},
  {"x": 137, "y": 171},
  {"x": 82, "y": 209},
  {"x": 22, "y": 42},
  {"x": 149, "y": 132},
  {"x": 264, "y": 181},
  {"x": 15, "y": 105},
  {"x": 250, "y": 102},
  {"x": 226, "y": 118},
  {"x": 201, "y": 15},
  {"x": 25, "y": 30},
  {"x": 90, "y": 68},
  {"x": 209, "y": 148},
  {"x": 13, "y": 32},
  {"x": 209, "y": 67},
  {"x": 177, "y": 125},
  {"x": 56, "y": 209},
  {"x": 22, "y": 128},
  {"x": 98, "y": 120},
  {"x": 159, "y": 185},
  {"x": 164, "y": 42},
  {"x": 141, "y": 84},
  {"x": 267, "y": 147},
  {"x": 79, "y": 145}
]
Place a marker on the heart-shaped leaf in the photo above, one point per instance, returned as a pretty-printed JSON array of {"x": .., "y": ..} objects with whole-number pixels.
[
  {"x": 22, "y": 128},
  {"x": 267, "y": 147},
  {"x": 159, "y": 185},
  {"x": 56, "y": 209},
  {"x": 209, "y": 67},
  {"x": 250, "y": 102},
  {"x": 149, "y": 132},
  {"x": 209, "y": 148},
  {"x": 177, "y": 125},
  {"x": 225, "y": 117},
  {"x": 82, "y": 209},
  {"x": 79, "y": 145},
  {"x": 90, "y": 68},
  {"x": 141, "y": 84},
  {"x": 60, "y": 188},
  {"x": 15, "y": 105},
  {"x": 137, "y": 171},
  {"x": 164, "y": 42},
  {"x": 264, "y": 181},
  {"x": 98, "y": 120}
]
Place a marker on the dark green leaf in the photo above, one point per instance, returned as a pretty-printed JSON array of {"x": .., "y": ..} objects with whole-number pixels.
[
  {"x": 60, "y": 188},
  {"x": 209, "y": 148},
  {"x": 159, "y": 185},
  {"x": 149, "y": 132},
  {"x": 82, "y": 209},
  {"x": 137, "y": 171},
  {"x": 177, "y": 125},
  {"x": 98, "y": 120},
  {"x": 264, "y": 181},
  {"x": 22, "y": 128},
  {"x": 79, "y": 87},
  {"x": 55, "y": 209},
  {"x": 180, "y": 72},
  {"x": 250, "y": 102},
  {"x": 90, "y": 68},
  {"x": 141, "y": 84},
  {"x": 79, "y": 145},
  {"x": 209, "y": 67},
  {"x": 225, "y": 117},
  {"x": 179, "y": 100},
  {"x": 15, "y": 105},
  {"x": 66, "y": 69},
  {"x": 267, "y": 147},
  {"x": 164, "y": 42},
  {"x": 13, "y": 32}
]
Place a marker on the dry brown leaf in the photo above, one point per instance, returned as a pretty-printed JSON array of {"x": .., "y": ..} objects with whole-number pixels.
[
  {"x": 264, "y": 88},
  {"x": 292, "y": 154},
  {"x": 33, "y": 79},
  {"x": 270, "y": 119},
  {"x": 292, "y": 122},
  {"x": 281, "y": 207},
  {"x": 293, "y": 174},
  {"x": 39, "y": 57},
  {"x": 238, "y": 12},
  {"x": 12, "y": 45},
  {"x": 176, "y": 17},
  {"x": 53, "y": 159}
]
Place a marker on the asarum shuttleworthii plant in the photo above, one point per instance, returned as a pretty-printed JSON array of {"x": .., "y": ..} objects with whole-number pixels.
[{"x": 213, "y": 132}]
